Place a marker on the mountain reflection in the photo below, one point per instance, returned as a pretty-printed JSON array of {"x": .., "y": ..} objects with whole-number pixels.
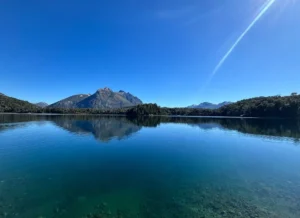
[{"x": 105, "y": 128}]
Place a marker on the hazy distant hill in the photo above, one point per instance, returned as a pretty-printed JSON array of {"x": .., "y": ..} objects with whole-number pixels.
[
  {"x": 41, "y": 104},
  {"x": 208, "y": 105},
  {"x": 101, "y": 99},
  {"x": 9, "y": 104}
]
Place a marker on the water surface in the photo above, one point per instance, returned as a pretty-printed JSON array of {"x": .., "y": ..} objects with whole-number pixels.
[{"x": 89, "y": 166}]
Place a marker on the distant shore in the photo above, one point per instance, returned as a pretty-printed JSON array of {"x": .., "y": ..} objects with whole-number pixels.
[
  {"x": 263, "y": 107},
  {"x": 149, "y": 116}
]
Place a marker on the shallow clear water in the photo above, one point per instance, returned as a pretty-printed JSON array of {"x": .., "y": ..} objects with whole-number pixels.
[{"x": 85, "y": 166}]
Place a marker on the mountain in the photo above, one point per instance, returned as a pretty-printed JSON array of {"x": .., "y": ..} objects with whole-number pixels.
[
  {"x": 2, "y": 94},
  {"x": 132, "y": 99},
  {"x": 70, "y": 102},
  {"x": 9, "y": 104},
  {"x": 106, "y": 98},
  {"x": 101, "y": 99},
  {"x": 208, "y": 105},
  {"x": 41, "y": 104},
  {"x": 225, "y": 103}
]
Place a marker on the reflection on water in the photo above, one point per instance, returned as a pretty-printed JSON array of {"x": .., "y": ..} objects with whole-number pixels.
[
  {"x": 105, "y": 128},
  {"x": 265, "y": 127},
  {"x": 173, "y": 167}
]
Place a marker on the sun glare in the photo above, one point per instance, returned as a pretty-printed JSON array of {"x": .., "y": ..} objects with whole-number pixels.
[{"x": 263, "y": 10}]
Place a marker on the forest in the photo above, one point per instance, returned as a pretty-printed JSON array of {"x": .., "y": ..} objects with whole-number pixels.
[{"x": 274, "y": 106}]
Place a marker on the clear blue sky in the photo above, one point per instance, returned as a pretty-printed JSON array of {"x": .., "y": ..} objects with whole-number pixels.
[{"x": 162, "y": 51}]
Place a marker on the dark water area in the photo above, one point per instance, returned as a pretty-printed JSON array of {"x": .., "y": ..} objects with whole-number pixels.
[{"x": 113, "y": 167}]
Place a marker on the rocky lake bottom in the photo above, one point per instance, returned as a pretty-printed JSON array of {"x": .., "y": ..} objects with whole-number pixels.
[{"x": 113, "y": 167}]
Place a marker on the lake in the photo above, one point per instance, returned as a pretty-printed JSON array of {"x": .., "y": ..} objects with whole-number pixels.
[{"x": 160, "y": 167}]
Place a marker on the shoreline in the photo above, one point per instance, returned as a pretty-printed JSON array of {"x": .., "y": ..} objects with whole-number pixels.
[{"x": 172, "y": 116}]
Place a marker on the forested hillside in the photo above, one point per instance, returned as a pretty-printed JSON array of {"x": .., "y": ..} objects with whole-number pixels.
[
  {"x": 13, "y": 105},
  {"x": 275, "y": 106}
]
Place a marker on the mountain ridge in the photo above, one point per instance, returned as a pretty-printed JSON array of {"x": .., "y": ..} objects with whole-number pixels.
[
  {"x": 69, "y": 102},
  {"x": 208, "y": 105},
  {"x": 103, "y": 98},
  {"x": 41, "y": 104}
]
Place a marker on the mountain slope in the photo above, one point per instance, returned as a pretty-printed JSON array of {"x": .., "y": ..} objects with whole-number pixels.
[
  {"x": 224, "y": 104},
  {"x": 107, "y": 99},
  {"x": 41, "y": 104},
  {"x": 208, "y": 105},
  {"x": 70, "y": 102},
  {"x": 132, "y": 99},
  {"x": 9, "y": 104}
]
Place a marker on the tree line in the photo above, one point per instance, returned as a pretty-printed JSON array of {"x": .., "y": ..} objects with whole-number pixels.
[{"x": 273, "y": 106}]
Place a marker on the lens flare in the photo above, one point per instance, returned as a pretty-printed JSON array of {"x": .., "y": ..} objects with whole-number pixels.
[{"x": 264, "y": 9}]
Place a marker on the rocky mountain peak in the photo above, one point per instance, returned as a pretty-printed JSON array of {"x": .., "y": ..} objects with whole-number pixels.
[{"x": 105, "y": 89}]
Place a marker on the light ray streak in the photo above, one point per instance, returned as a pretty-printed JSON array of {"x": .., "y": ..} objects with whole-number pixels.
[{"x": 264, "y": 9}]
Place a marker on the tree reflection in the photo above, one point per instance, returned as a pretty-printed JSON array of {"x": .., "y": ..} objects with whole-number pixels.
[{"x": 105, "y": 128}]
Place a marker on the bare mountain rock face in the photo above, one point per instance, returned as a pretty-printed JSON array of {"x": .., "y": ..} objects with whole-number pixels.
[
  {"x": 130, "y": 97},
  {"x": 70, "y": 102}
]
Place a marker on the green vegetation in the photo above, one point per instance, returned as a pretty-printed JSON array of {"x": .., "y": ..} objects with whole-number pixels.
[
  {"x": 274, "y": 106},
  {"x": 8, "y": 104},
  {"x": 144, "y": 110}
]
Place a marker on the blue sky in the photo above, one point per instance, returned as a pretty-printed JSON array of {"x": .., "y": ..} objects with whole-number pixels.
[{"x": 162, "y": 51}]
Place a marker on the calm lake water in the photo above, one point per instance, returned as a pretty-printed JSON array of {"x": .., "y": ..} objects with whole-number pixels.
[{"x": 160, "y": 167}]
